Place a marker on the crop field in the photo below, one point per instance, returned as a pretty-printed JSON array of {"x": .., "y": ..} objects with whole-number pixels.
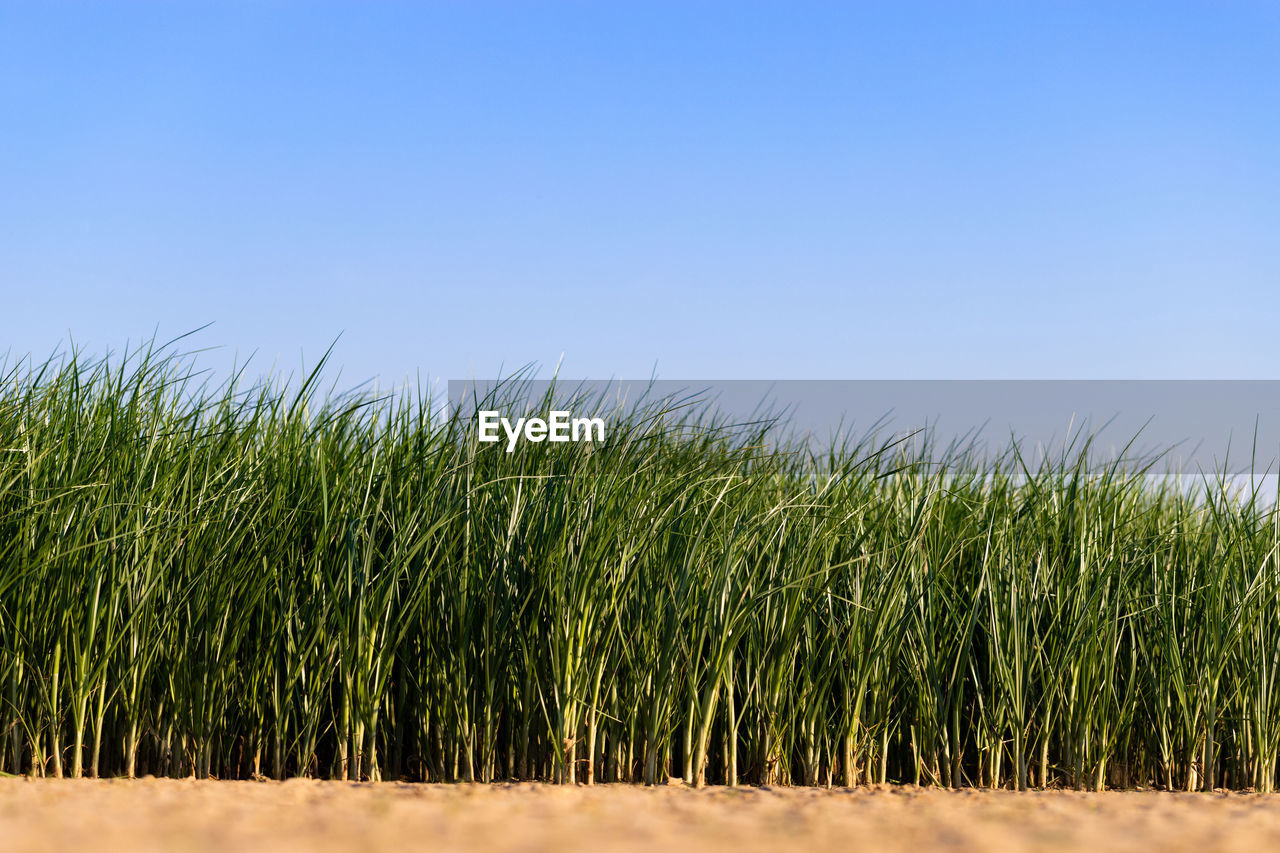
[{"x": 261, "y": 581}]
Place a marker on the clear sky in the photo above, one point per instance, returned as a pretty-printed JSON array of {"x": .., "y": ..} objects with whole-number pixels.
[{"x": 711, "y": 190}]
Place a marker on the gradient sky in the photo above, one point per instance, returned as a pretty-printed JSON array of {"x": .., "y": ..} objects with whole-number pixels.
[{"x": 711, "y": 190}]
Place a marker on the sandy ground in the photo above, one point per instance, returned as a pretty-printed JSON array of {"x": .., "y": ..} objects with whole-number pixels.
[{"x": 308, "y": 815}]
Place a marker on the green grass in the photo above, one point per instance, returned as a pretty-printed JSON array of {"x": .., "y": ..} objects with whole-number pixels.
[{"x": 233, "y": 581}]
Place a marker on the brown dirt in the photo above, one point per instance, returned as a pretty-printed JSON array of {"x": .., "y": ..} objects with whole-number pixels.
[{"x": 152, "y": 814}]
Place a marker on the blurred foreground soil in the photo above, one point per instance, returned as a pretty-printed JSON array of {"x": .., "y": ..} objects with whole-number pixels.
[{"x": 154, "y": 814}]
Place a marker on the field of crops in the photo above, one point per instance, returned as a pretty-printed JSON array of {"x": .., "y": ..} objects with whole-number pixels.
[{"x": 260, "y": 580}]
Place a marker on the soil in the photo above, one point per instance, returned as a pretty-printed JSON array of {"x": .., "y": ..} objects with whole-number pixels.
[{"x": 155, "y": 814}]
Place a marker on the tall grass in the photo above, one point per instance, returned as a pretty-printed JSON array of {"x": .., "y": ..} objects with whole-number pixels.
[{"x": 250, "y": 580}]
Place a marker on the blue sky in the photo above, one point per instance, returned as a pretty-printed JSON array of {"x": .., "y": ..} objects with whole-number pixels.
[{"x": 711, "y": 190}]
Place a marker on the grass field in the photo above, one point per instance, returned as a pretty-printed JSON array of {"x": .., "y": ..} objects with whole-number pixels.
[
  {"x": 311, "y": 815},
  {"x": 248, "y": 581}
]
